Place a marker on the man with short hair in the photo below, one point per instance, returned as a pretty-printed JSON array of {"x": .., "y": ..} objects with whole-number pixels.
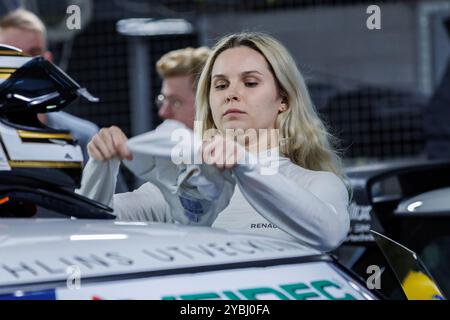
[
  {"x": 24, "y": 30},
  {"x": 179, "y": 70}
]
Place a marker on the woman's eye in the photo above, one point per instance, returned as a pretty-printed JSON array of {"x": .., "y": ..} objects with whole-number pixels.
[
  {"x": 251, "y": 84},
  {"x": 220, "y": 86}
]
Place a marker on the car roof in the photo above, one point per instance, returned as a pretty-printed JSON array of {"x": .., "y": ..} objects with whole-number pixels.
[{"x": 41, "y": 250}]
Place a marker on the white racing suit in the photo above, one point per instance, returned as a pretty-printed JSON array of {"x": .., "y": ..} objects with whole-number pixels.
[{"x": 292, "y": 202}]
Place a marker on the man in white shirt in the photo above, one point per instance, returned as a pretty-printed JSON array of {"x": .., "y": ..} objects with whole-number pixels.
[{"x": 178, "y": 70}]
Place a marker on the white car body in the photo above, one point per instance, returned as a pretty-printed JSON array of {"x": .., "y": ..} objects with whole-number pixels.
[{"x": 98, "y": 259}]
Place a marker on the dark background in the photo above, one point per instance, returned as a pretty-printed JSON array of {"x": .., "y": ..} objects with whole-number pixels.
[{"x": 370, "y": 86}]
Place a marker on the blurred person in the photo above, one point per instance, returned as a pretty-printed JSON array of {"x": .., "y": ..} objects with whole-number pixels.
[
  {"x": 436, "y": 121},
  {"x": 435, "y": 124},
  {"x": 24, "y": 30},
  {"x": 178, "y": 70},
  {"x": 249, "y": 82}
]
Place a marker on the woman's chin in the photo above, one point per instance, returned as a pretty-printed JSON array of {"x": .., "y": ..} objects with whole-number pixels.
[{"x": 235, "y": 125}]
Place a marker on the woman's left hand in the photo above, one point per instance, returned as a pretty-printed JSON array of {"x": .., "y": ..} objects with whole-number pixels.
[{"x": 222, "y": 152}]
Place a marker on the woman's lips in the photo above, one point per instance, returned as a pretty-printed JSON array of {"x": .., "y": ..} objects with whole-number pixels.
[{"x": 233, "y": 111}]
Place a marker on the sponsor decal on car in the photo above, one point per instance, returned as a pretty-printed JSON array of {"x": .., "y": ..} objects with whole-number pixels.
[
  {"x": 314, "y": 280},
  {"x": 48, "y": 265}
]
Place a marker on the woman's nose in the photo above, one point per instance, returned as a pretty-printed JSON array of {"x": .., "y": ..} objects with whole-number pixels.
[
  {"x": 165, "y": 112},
  {"x": 233, "y": 96}
]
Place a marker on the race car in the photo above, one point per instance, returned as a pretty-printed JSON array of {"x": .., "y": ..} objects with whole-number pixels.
[
  {"x": 79, "y": 259},
  {"x": 100, "y": 259},
  {"x": 407, "y": 200}
]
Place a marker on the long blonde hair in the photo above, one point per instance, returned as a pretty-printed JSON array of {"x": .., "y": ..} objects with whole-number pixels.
[{"x": 304, "y": 138}]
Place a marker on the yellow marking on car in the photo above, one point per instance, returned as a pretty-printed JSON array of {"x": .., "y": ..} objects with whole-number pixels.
[
  {"x": 38, "y": 135},
  {"x": 45, "y": 164}
]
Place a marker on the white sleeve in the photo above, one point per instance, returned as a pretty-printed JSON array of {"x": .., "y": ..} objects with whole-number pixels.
[
  {"x": 315, "y": 215},
  {"x": 204, "y": 191},
  {"x": 99, "y": 180},
  {"x": 195, "y": 193},
  {"x": 143, "y": 204},
  {"x": 100, "y": 177}
]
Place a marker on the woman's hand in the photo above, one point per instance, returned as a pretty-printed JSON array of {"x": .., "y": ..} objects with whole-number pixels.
[
  {"x": 222, "y": 152},
  {"x": 109, "y": 143}
]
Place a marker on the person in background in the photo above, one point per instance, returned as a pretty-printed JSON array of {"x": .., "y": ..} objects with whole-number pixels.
[
  {"x": 437, "y": 115},
  {"x": 178, "y": 70}
]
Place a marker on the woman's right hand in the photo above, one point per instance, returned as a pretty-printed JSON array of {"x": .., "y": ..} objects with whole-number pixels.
[{"x": 109, "y": 143}]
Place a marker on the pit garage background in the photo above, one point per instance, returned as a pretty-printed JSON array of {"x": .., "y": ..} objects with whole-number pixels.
[{"x": 372, "y": 87}]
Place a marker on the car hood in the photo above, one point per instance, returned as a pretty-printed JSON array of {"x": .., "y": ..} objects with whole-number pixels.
[
  {"x": 435, "y": 202},
  {"x": 42, "y": 250}
]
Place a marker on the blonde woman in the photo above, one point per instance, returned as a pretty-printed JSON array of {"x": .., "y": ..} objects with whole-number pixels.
[{"x": 249, "y": 83}]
